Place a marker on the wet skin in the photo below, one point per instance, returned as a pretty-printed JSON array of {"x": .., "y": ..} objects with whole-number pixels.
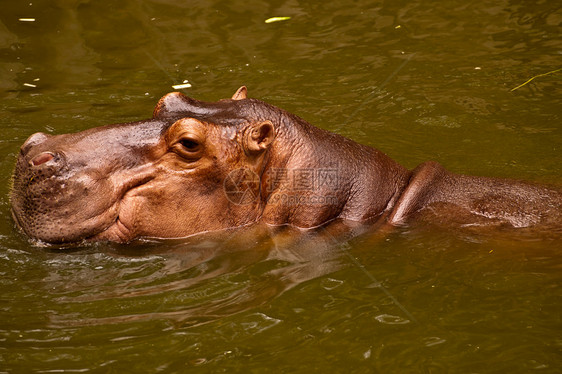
[{"x": 197, "y": 166}]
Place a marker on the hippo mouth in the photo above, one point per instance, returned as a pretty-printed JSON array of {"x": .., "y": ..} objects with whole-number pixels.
[
  {"x": 111, "y": 225},
  {"x": 121, "y": 228},
  {"x": 117, "y": 232}
]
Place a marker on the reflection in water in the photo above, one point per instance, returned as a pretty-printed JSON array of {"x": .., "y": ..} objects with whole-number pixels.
[{"x": 190, "y": 282}]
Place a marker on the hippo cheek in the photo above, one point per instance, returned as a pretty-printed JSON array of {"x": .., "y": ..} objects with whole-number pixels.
[
  {"x": 122, "y": 208},
  {"x": 168, "y": 207},
  {"x": 142, "y": 211},
  {"x": 152, "y": 211}
]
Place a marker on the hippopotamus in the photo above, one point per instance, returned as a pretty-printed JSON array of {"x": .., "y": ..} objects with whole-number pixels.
[{"x": 199, "y": 166}]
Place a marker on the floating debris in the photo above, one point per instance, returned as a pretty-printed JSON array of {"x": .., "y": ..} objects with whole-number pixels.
[
  {"x": 536, "y": 76},
  {"x": 389, "y": 319},
  {"x": 181, "y": 86},
  {"x": 30, "y": 85},
  {"x": 185, "y": 84},
  {"x": 26, "y": 19},
  {"x": 276, "y": 19}
]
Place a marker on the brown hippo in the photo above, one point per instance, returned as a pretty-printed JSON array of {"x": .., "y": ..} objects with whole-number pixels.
[{"x": 198, "y": 166}]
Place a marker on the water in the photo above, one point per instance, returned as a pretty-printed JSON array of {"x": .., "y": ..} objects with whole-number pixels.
[{"x": 417, "y": 80}]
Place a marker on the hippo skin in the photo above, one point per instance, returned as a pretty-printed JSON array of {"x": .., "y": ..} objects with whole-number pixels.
[{"x": 203, "y": 166}]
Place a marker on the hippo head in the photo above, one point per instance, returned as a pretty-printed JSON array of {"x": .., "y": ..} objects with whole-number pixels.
[{"x": 193, "y": 167}]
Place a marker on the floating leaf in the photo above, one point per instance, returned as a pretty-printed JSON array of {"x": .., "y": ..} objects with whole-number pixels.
[
  {"x": 276, "y": 19},
  {"x": 181, "y": 86}
]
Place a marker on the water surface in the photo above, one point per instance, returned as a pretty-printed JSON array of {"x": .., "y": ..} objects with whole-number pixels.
[{"x": 420, "y": 81}]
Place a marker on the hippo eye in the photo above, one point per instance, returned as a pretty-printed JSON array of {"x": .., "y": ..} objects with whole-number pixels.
[{"x": 189, "y": 145}]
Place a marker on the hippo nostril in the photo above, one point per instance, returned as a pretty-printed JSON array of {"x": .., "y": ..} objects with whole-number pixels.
[
  {"x": 32, "y": 141},
  {"x": 42, "y": 158}
]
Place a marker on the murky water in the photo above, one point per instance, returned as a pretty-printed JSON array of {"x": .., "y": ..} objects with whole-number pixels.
[{"x": 418, "y": 80}]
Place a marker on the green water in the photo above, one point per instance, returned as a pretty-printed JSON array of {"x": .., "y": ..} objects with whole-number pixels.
[{"x": 418, "y": 80}]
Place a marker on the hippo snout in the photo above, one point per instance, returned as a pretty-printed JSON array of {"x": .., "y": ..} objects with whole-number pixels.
[
  {"x": 71, "y": 187},
  {"x": 57, "y": 195}
]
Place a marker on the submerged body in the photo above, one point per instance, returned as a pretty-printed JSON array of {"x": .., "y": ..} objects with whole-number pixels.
[{"x": 198, "y": 166}]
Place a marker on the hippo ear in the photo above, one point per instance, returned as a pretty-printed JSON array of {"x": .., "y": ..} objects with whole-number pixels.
[
  {"x": 258, "y": 137},
  {"x": 241, "y": 93},
  {"x": 174, "y": 102}
]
